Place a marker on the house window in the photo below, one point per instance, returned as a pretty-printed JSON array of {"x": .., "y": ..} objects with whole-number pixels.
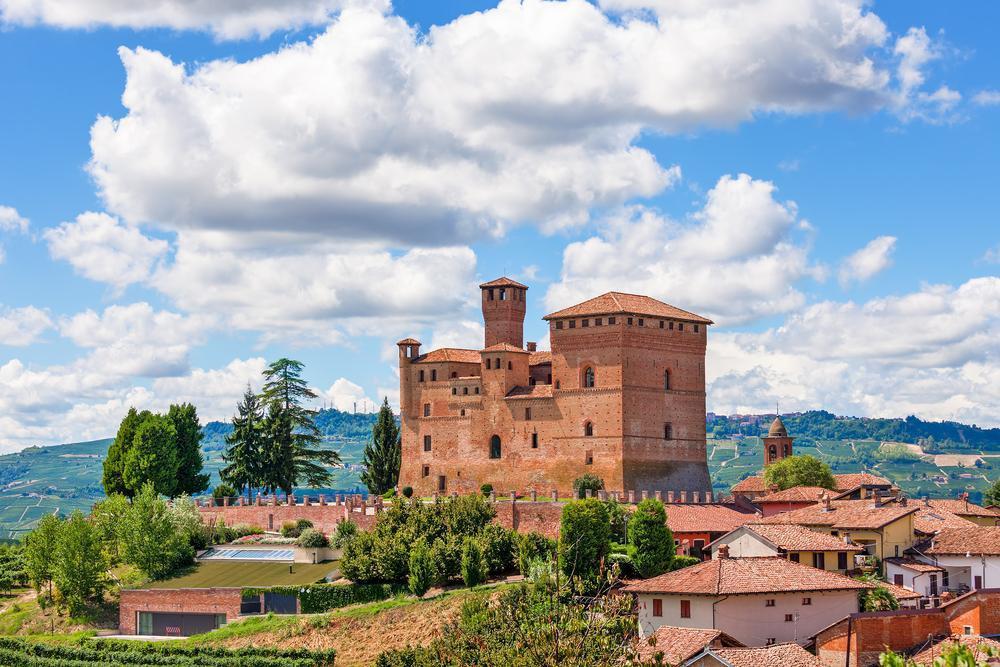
[
  {"x": 588, "y": 377},
  {"x": 668, "y": 431},
  {"x": 697, "y": 328},
  {"x": 671, "y": 326},
  {"x": 841, "y": 560},
  {"x": 454, "y": 391},
  {"x": 427, "y": 443},
  {"x": 789, "y": 618},
  {"x": 966, "y": 629},
  {"x": 642, "y": 322},
  {"x": 944, "y": 578},
  {"x": 666, "y": 380},
  {"x": 680, "y": 326},
  {"x": 589, "y": 457},
  {"x": 657, "y": 607},
  {"x": 611, "y": 320},
  {"x": 558, "y": 324},
  {"x": 628, "y": 321},
  {"x": 465, "y": 391},
  {"x": 794, "y": 556},
  {"x": 770, "y": 641},
  {"x": 572, "y": 324},
  {"x": 496, "y": 363},
  {"x": 527, "y": 414},
  {"x": 442, "y": 483},
  {"x": 819, "y": 560},
  {"x": 584, "y": 322},
  {"x": 487, "y": 363},
  {"x": 685, "y": 608},
  {"x": 421, "y": 375},
  {"x": 534, "y": 441},
  {"x": 806, "y": 602},
  {"x": 495, "y": 447},
  {"x": 897, "y": 579},
  {"x": 662, "y": 323},
  {"x": 426, "y": 471},
  {"x": 434, "y": 375},
  {"x": 588, "y": 429},
  {"x": 427, "y": 409},
  {"x": 978, "y": 583},
  {"x": 769, "y": 602},
  {"x": 598, "y": 322}
]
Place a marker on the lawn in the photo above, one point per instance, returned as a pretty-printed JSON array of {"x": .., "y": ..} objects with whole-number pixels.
[{"x": 221, "y": 574}]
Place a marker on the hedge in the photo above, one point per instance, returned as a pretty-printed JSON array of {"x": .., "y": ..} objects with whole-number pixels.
[
  {"x": 319, "y": 598},
  {"x": 120, "y": 653}
]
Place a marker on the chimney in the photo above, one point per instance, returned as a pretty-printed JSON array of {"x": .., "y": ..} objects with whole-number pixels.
[
  {"x": 902, "y": 500},
  {"x": 724, "y": 551},
  {"x": 826, "y": 502},
  {"x": 927, "y": 501},
  {"x": 532, "y": 346},
  {"x": 847, "y": 538}
]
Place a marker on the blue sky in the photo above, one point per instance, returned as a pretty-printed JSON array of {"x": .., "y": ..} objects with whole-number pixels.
[{"x": 324, "y": 178}]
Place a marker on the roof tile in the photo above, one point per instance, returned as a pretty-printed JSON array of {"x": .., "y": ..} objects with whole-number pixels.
[
  {"x": 844, "y": 514},
  {"x": 678, "y": 644},
  {"x": 705, "y": 518},
  {"x": 452, "y": 354},
  {"x": 776, "y": 655},
  {"x": 613, "y": 303}
]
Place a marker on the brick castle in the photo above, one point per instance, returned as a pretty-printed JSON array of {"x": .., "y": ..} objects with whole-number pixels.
[{"x": 621, "y": 395}]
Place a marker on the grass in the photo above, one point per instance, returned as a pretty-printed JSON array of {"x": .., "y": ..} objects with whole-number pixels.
[{"x": 211, "y": 574}]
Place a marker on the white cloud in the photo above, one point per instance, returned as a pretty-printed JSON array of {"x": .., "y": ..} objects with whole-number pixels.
[
  {"x": 468, "y": 334},
  {"x": 735, "y": 260},
  {"x": 22, "y": 326},
  {"x": 227, "y": 19},
  {"x": 100, "y": 248},
  {"x": 992, "y": 256},
  {"x": 987, "y": 98},
  {"x": 869, "y": 260},
  {"x": 347, "y": 396},
  {"x": 12, "y": 221},
  {"x": 915, "y": 50}
]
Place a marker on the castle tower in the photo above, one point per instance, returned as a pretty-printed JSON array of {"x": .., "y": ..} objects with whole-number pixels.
[
  {"x": 777, "y": 444},
  {"x": 503, "y": 312}
]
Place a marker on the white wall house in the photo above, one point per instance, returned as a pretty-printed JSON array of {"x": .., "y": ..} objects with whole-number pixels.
[{"x": 958, "y": 558}]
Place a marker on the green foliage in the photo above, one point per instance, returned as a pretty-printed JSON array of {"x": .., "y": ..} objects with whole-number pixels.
[
  {"x": 346, "y": 530},
  {"x": 680, "y": 562},
  {"x": 290, "y": 529},
  {"x": 422, "y": 572},
  {"x": 187, "y": 429},
  {"x": 79, "y": 564},
  {"x": 799, "y": 470},
  {"x": 150, "y": 540},
  {"x": 955, "y": 654},
  {"x": 893, "y": 659},
  {"x": 498, "y": 546},
  {"x": 486, "y": 489},
  {"x": 992, "y": 495},
  {"x": 618, "y": 517},
  {"x": 383, "y": 453},
  {"x": 407, "y": 491},
  {"x": 588, "y": 482},
  {"x": 114, "y": 462},
  {"x": 877, "y": 599},
  {"x": 321, "y": 598},
  {"x": 187, "y": 520},
  {"x": 533, "y": 547},
  {"x": 651, "y": 540},
  {"x": 446, "y": 552},
  {"x": 223, "y": 491},
  {"x": 585, "y": 535},
  {"x": 407, "y": 657},
  {"x": 245, "y": 445},
  {"x": 108, "y": 516},
  {"x": 12, "y": 567},
  {"x": 473, "y": 566},
  {"x": 895, "y": 453},
  {"x": 312, "y": 539},
  {"x": 626, "y": 565},
  {"x": 152, "y": 457},
  {"x": 40, "y": 547}
]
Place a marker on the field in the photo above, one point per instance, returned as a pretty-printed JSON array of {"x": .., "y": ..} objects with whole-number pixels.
[{"x": 218, "y": 574}]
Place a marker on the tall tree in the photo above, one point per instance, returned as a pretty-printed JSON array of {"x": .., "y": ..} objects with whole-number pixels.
[
  {"x": 651, "y": 540},
  {"x": 152, "y": 457},
  {"x": 79, "y": 563},
  {"x": 114, "y": 462},
  {"x": 293, "y": 452},
  {"x": 150, "y": 538},
  {"x": 383, "y": 453},
  {"x": 245, "y": 445},
  {"x": 190, "y": 478},
  {"x": 799, "y": 470},
  {"x": 40, "y": 552}
]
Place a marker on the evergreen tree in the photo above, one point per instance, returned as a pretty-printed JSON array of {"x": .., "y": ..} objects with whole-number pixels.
[
  {"x": 79, "y": 563},
  {"x": 40, "y": 552},
  {"x": 650, "y": 539},
  {"x": 114, "y": 462},
  {"x": 383, "y": 453},
  {"x": 152, "y": 457},
  {"x": 190, "y": 478},
  {"x": 245, "y": 445}
]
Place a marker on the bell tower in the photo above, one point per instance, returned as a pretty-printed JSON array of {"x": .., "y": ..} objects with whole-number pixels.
[
  {"x": 503, "y": 311},
  {"x": 777, "y": 444}
]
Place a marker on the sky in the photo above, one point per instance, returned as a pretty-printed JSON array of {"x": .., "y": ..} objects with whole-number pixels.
[{"x": 190, "y": 188}]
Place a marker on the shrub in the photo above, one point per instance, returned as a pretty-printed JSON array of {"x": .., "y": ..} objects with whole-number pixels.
[
  {"x": 407, "y": 491},
  {"x": 244, "y": 529},
  {"x": 585, "y": 536},
  {"x": 447, "y": 557},
  {"x": 498, "y": 546},
  {"x": 290, "y": 529},
  {"x": 473, "y": 567},
  {"x": 588, "y": 482},
  {"x": 321, "y": 598},
  {"x": 680, "y": 562},
  {"x": 625, "y": 563},
  {"x": 312, "y": 539},
  {"x": 346, "y": 530},
  {"x": 486, "y": 490},
  {"x": 223, "y": 490},
  {"x": 421, "y": 569},
  {"x": 878, "y": 599},
  {"x": 533, "y": 547},
  {"x": 652, "y": 541},
  {"x": 222, "y": 534},
  {"x": 302, "y": 524},
  {"x": 407, "y": 657}
]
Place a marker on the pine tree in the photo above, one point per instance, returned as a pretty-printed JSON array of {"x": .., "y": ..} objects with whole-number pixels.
[
  {"x": 114, "y": 462},
  {"x": 383, "y": 453},
  {"x": 152, "y": 457},
  {"x": 245, "y": 445},
  {"x": 190, "y": 478}
]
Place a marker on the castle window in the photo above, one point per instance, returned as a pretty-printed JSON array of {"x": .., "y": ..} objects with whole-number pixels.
[
  {"x": 477, "y": 391},
  {"x": 598, "y": 322},
  {"x": 629, "y": 321},
  {"x": 427, "y": 443},
  {"x": 461, "y": 413},
  {"x": 588, "y": 377},
  {"x": 668, "y": 431},
  {"x": 503, "y": 294},
  {"x": 572, "y": 324},
  {"x": 487, "y": 363},
  {"x": 491, "y": 294},
  {"x": 696, "y": 328},
  {"x": 454, "y": 374},
  {"x": 534, "y": 441},
  {"x": 454, "y": 391},
  {"x": 671, "y": 326},
  {"x": 666, "y": 380},
  {"x": 558, "y": 324},
  {"x": 442, "y": 483},
  {"x": 425, "y": 471},
  {"x": 588, "y": 429},
  {"x": 495, "y": 447},
  {"x": 680, "y": 326},
  {"x": 589, "y": 457},
  {"x": 496, "y": 363},
  {"x": 421, "y": 375},
  {"x": 642, "y": 322},
  {"x": 427, "y": 409},
  {"x": 557, "y": 384},
  {"x": 611, "y": 320},
  {"x": 465, "y": 391},
  {"x": 527, "y": 414},
  {"x": 661, "y": 323},
  {"x": 510, "y": 365},
  {"x": 585, "y": 323},
  {"x": 434, "y": 375}
]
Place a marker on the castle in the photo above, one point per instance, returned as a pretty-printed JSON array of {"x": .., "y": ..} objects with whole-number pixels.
[{"x": 621, "y": 395}]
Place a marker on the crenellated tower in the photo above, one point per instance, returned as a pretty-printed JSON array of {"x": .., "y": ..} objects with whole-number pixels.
[{"x": 503, "y": 312}]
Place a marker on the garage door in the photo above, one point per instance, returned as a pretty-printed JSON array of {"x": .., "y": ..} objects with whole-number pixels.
[{"x": 163, "y": 624}]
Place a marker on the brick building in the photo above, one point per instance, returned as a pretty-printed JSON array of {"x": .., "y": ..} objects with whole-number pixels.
[{"x": 621, "y": 395}]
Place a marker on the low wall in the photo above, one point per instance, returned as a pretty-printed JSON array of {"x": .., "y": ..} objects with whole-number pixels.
[
  {"x": 187, "y": 600},
  {"x": 270, "y": 517}
]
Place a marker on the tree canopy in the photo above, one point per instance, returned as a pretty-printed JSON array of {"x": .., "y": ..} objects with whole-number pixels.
[
  {"x": 383, "y": 453},
  {"x": 799, "y": 470},
  {"x": 651, "y": 542}
]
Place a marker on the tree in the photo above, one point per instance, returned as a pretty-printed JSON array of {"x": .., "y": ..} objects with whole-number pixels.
[
  {"x": 150, "y": 540},
  {"x": 190, "y": 478},
  {"x": 584, "y": 538},
  {"x": 152, "y": 457},
  {"x": 651, "y": 541},
  {"x": 992, "y": 495},
  {"x": 473, "y": 565},
  {"x": 40, "y": 552},
  {"x": 79, "y": 563},
  {"x": 114, "y": 462},
  {"x": 293, "y": 438},
  {"x": 799, "y": 470},
  {"x": 421, "y": 569},
  {"x": 878, "y": 599},
  {"x": 245, "y": 445},
  {"x": 588, "y": 482},
  {"x": 108, "y": 516},
  {"x": 383, "y": 453}
]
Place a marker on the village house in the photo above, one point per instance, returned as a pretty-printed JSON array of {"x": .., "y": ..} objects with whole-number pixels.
[
  {"x": 694, "y": 526},
  {"x": 794, "y": 498},
  {"x": 796, "y": 543},
  {"x": 757, "y": 601},
  {"x": 776, "y": 655},
  {"x": 970, "y": 556},
  {"x": 676, "y": 646}
]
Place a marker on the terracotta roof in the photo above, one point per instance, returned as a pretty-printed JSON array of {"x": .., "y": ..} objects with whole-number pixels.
[
  {"x": 503, "y": 282},
  {"x": 796, "y": 494},
  {"x": 452, "y": 354},
  {"x": 746, "y": 576},
  {"x": 899, "y": 592},
  {"x": 705, "y": 518},
  {"x": 843, "y": 482},
  {"x": 753, "y": 483},
  {"x": 980, "y": 646},
  {"x": 844, "y": 514},
  {"x": 960, "y": 507},
  {"x": 505, "y": 347},
  {"x": 800, "y": 538},
  {"x": 409, "y": 341},
  {"x": 929, "y": 520},
  {"x": 543, "y": 357},
  {"x": 777, "y": 429},
  {"x": 678, "y": 644},
  {"x": 776, "y": 655},
  {"x": 536, "y": 391},
  {"x": 976, "y": 540},
  {"x": 914, "y": 564},
  {"x": 614, "y": 303}
]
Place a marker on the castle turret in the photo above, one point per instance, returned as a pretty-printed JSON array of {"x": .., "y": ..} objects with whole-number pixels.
[
  {"x": 777, "y": 444},
  {"x": 409, "y": 349},
  {"x": 503, "y": 312}
]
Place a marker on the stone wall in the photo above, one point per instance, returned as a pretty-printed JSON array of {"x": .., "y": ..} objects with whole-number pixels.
[
  {"x": 187, "y": 600},
  {"x": 269, "y": 517}
]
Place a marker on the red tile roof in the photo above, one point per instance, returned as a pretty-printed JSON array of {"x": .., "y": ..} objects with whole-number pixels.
[
  {"x": 844, "y": 514},
  {"x": 614, "y": 303},
  {"x": 503, "y": 282},
  {"x": 776, "y": 655},
  {"x": 505, "y": 347},
  {"x": 981, "y": 647},
  {"x": 678, "y": 644},
  {"x": 960, "y": 507},
  {"x": 746, "y": 576},
  {"x": 975, "y": 540},
  {"x": 843, "y": 482},
  {"x": 452, "y": 354},
  {"x": 800, "y": 538},
  {"x": 796, "y": 494},
  {"x": 929, "y": 520},
  {"x": 543, "y": 357},
  {"x": 409, "y": 341},
  {"x": 536, "y": 391},
  {"x": 705, "y": 518},
  {"x": 914, "y": 564},
  {"x": 899, "y": 592}
]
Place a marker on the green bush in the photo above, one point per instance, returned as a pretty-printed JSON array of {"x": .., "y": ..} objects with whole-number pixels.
[
  {"x": 473, "y": 567},
  {"x": 447, "y": 557},
  {"x": 486, "y": 490},
  {"x": 244, "y": 529},
  {"x": 321, "y": 598},
  {"x": 312, "y": 539},
  {"x": 533, "y": 547},
  {"x": 407, "y": 657},
  {"x": 651, "y": 540},
  {"x": 680, "y": 562},
  {"x": 407, "y": 491},
  {"x": 585, "y": 533},
  {"x": 223, "y": 490},
  {"x": 290, "y": 529},
  {"x": 422, "y": 572},
  {"x": 588, "y": 482},
  {"x": 626, "y": 566},
  {"x": 498, "y": 546},
  {"x": 346, "y": 530}
]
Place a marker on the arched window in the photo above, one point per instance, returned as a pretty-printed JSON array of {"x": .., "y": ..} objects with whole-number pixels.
[
  {"x": 495, "y": 447},
  {"x": 773, "y": 451},
  {"x": 588, "y": 429},
  {"x": 788, "y": 449},
  {"x": 666, "y": 379},
  {"x": 487, "y": 363},
  {"x": 454, "y": 374},
  {"x": 588, "y": 377}
]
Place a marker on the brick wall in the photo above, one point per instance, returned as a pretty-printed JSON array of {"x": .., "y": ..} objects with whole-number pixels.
[
  {"x": 188, "y": 600},
  {"x": 530, "y": 517},
  {"x": 270, "y": 517}
]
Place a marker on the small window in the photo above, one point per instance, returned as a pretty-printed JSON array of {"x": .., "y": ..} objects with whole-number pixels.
[
  {"x": 426, "y": 471},
  {"x": 770, "y": 641},
  {"x": 589, "y": 457},
  {"x": 685, "y": 608},
  {"x": 496, "y": 363},
  {"x": 557, "y": 384},
  {"x": 427, "y": 409},
  {"x": 697, "y": 328},
  {"x": 421, "y": 375},
  {"x": 495, "y": 447},
  {"x": 477, "y": 391},
  {"x": 585, "y": 323},
  {"x": 527, "y": 414},
  {"x": 503, "y": 294},
  {"x": 629, "y": 321},
  {"x": 789, "y": 618},
  {"x": 944, "y": 579},
  {"x": 442, "y": 483},
  {"x": 657, "y": 607},
  {"x": 588, "y": 429},
  {"x": 572, "y": 324},
  {"x": 967, "y": 630},
  {"x": 819, "y": 560},
  {"x": 427, "y": 443},
  {"x": 598, "y": 322},
  {"x": 465, "y": 391},
  {"x": 454, "y": 391},
  {"x": 558, "y": 324},
  {"x": 841, "y": 560},
  {"x": 487, "y": 363},
  {"x": 668, "y": 431},
  {"x": 534, "y": 441},
  {"x": 680, "y": 326},
  {"x": 897, "y": 579},
  {"x": 588, "y": 377},
  {"x": 671, "y": 326},
  {"x": 769, "y": 602},
  {"x": 510, "y": 365},
  {"x": 454, "y": 374},
  {"x": 666, "y": 380},
  {"x": 807, "y": 602},
  {"x": 434, "y": 375},
  {"x": 491, "y": 294},
  {"x": 794, "y": 556},
  {"x": 461, "y": 413},
  {"x": 611, "y": 320},
  {"x": 642, "y": 322}
]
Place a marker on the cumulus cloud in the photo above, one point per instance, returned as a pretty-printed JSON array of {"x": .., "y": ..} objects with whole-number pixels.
[
  {"x": 987, "y": 98},
  {"x": 734, "y": 260},
  {"x": 22, "y": 326},
  {"x": 99, "y": 247},
  {"x": 12, "y": 221},
  {"x": 347, "y": 396},
  {"x": 915, "y": 50},
  {"x": 227, "y": 19},
  {"x": 869, "y": 260}
]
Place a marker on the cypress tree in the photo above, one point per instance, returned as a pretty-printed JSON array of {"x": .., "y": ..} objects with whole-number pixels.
[
  {"x": 383, "y": 453},
  {"x": 190, "y": 479}
]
